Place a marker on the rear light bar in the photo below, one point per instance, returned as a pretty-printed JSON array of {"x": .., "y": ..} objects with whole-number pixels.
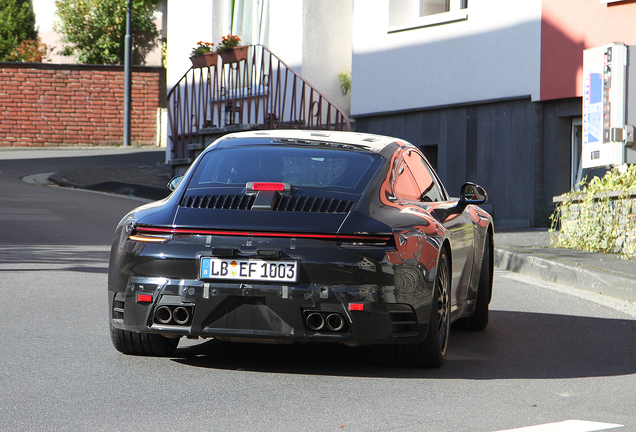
[{"x": 145, "y": 233}]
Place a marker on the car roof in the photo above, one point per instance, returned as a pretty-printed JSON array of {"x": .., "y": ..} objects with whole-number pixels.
[{"x": 363, "y": 141}]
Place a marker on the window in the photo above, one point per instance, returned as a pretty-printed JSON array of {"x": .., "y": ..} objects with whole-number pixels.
[
  {"x": 249, "y": 19},
  {"x": 430, "y": 190},
  {"x": 431, "y": 154},
  {"x": 309, "y": 167},
  {"x": 413, "y": 14},
  {"x": 416, "y": 181},
  {"x": 405, "y": 185},
  {"x": 432, "y": 7}
]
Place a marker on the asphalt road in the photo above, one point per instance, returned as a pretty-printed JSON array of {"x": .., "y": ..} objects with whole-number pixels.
[{"x": 550, "y": 353}]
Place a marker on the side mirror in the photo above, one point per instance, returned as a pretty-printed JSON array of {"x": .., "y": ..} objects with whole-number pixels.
[
  {"x": 172, "y": 184},
  {"x": 472, "y": 194}
]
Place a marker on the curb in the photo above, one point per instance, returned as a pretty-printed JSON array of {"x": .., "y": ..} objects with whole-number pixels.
[
  {"x": 130, "y": 189},
  {"x": 61, "y": 181},
  {"x": 574, "y": 275}
]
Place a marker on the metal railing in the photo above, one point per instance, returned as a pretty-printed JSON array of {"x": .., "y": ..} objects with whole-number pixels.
[{"x": 259, "y": 90}]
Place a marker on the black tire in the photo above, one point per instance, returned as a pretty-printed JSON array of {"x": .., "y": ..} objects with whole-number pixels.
[
  {"x": 431, "y": 352},
  {"x": 479, "y": 319},
  {"x": 144, "y": 344}
]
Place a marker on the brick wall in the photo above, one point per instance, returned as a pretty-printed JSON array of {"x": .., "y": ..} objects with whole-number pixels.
[{"x": 58, "y": 104}]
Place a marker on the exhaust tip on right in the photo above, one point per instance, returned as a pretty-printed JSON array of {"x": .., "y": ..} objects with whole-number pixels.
[
  {"x": 334, "y": 322},
  {"x": 181, "y": 315}
]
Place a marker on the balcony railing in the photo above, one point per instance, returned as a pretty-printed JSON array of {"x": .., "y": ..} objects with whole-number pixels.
[{"x": 257, "y": 92}]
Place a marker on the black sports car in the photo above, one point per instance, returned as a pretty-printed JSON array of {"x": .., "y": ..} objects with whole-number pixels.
[{"x": 301, "y": 236}]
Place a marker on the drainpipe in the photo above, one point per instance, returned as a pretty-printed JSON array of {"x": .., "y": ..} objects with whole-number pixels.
[{"x": 127, "y": 75}]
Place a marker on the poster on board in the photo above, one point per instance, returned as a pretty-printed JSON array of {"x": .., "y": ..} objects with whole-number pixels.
[{"x": 604, "y": 72}]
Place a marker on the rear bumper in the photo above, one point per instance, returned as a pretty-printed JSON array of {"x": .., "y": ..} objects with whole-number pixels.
[{"x": 267, "y": 313}]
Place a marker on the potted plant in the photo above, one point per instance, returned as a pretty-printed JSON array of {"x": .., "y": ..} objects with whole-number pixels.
[
  {"x": 230, "y": 51},
  {"x": 202, "y": 55}
]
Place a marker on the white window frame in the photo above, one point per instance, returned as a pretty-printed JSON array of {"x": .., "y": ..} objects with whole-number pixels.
[{"x": 455, "y": 14}]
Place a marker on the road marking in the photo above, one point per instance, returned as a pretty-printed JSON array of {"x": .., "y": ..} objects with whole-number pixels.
[{"x": 567, "y": 426}]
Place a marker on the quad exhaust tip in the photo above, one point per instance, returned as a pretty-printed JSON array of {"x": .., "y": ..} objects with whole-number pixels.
[
  {"x": 334, "y": 322},
  {"x": 163, "y": 314},
  {"x": 318, "y": 321},
  {"x": 180, "y": 315},
  {"x": 315, "y": 321}
]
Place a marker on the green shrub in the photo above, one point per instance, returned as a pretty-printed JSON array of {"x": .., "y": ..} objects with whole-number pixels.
[
  {"x": 17, "y": 24},
  {"x": 94, "y": 31},
  {"x": 591, "y": 219}
]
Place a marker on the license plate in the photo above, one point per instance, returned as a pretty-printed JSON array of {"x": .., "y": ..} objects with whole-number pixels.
[{"x": 249, "y": 269}]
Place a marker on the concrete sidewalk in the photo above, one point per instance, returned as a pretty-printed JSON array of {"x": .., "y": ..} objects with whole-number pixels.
[
  {"x": 523, "y": 251},
  {"x": 529, "y": 252}
]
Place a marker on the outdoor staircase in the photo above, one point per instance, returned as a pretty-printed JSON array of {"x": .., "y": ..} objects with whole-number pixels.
[{"x": 256, "y": 92}]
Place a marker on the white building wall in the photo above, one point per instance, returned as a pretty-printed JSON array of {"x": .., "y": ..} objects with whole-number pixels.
[
  {"x": 286, "y": 31},
  {"x": 494, "y": 52},
  {"x": 327, "y": 35},
  {"x": 193, "y": 20},
  {"x": 189, "y": 21}
]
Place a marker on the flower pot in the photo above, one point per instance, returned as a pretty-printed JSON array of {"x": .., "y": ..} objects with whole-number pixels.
[
  {"x": 235, "y": 54},
  {"x": 204, "y": 60}
]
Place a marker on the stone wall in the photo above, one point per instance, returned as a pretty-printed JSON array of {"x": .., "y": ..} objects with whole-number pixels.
[
  {"x": 55, "y": 104},
  {"x": 611, "y": 220}
]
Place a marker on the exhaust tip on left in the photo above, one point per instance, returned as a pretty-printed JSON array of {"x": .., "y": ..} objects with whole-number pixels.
[{"x": 325, "y": 321}]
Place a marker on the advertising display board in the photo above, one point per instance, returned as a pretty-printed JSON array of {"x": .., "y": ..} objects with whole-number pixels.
[
  {"x": 603, "y": 104},
  {"x": 605, "y": 96}
]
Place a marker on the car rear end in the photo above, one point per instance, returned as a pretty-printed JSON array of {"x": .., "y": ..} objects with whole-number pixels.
[{"x": 257, "y": 250}]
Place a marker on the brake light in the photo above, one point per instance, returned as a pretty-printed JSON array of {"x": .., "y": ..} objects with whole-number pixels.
[
  {"x": 356, "y": 306},
  {"x": 268, "y": 187}
]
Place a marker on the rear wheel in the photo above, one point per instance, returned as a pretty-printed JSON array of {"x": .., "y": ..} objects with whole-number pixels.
[
  {"x": 479, "y": 319},
  {"x": 431, "y": 352},
  {"x": 142, "y": 343}
]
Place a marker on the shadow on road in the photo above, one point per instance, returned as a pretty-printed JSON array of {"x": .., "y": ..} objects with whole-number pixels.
[{"x": 515, "y": 345}]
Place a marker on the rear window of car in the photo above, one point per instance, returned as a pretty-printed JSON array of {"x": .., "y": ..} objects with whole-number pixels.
[{"x": 302, "y": 167}]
